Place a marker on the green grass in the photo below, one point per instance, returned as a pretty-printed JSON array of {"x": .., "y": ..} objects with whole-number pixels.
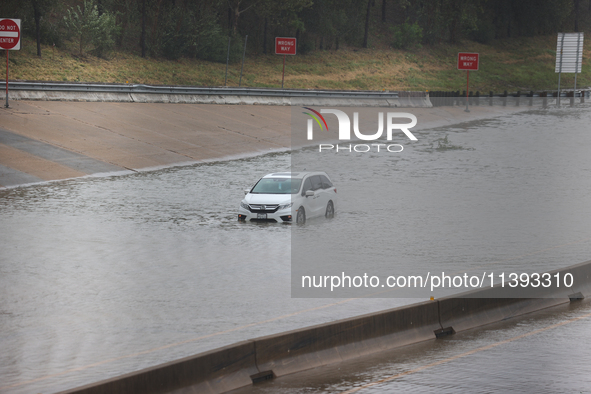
[{"x": 519, "y": 64}]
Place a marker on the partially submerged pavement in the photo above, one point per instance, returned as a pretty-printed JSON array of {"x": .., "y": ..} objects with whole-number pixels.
[{"x": 49, "y": 140}]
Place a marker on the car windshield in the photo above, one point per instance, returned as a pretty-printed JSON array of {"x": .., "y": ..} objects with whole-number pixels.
[{"x": 277, "y": 186}]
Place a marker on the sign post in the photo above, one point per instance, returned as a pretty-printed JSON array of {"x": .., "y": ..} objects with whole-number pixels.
[
  {"x": 10, "y": 39},
  {"x": 569, "y": 56},
  {"x": 467, "y": 61},
  {"x": 285, "y": 46}
]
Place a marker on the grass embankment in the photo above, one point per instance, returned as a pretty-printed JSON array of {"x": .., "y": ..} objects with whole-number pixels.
[{"x": 517, "y": 64}]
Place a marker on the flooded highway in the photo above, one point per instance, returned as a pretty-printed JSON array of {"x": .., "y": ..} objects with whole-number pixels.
[
  {"x": 105, "y": 276},
  {"x": 506, "y": 195}
]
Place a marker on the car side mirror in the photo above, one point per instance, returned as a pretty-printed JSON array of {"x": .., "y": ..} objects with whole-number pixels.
[
  {"x": 246, "y": 191},
  {"x": 309, "y": 193}
]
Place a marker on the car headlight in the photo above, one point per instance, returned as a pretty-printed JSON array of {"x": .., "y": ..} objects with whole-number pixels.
[
  {"x": 244, "y": 205},
  {"x": 285, "y": 206}
]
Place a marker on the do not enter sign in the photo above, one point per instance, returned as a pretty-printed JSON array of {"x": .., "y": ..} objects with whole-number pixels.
[
  {"x": 10, "y": 39},
  {"x": 10, "y": 34}
]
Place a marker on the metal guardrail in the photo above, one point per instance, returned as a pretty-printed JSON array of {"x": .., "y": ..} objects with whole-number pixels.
[
  {"x": 520, "y": 94},
  {"x": 442, "y": 97},
  {"x": 453, "y": 98},
  {"x": 188, "y": 90}
]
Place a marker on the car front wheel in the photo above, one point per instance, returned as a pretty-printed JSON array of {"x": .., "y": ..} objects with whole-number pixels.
[
  {"x": 301, "y": 216},
  {"x": 329, "y": 210}
]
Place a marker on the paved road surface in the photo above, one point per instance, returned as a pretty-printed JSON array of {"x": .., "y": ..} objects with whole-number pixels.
[{"x": 48, "y": 140}]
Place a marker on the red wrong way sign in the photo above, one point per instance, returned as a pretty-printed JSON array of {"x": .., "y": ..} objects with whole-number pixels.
[
  {"x": 285, "y": 46},
  {"x": 467, "y": 61},
  {"x": 10, "y": 34}
]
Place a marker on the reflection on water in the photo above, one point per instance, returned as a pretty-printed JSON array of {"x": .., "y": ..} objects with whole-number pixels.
[
  {"x": 104, "y": 276},
  {"x": 112, "y": 275}
]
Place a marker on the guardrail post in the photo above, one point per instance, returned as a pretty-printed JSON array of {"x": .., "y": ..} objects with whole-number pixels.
[
  {"x": 518, "y": 96},
  {"x": 531, "y": 98}
]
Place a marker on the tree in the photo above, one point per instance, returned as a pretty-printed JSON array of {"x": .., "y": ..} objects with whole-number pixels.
[
  {"x": 534, "y": 17},
  {"x": 40, "y": 8},
  {"x": 235, "y": 7},
  {"x": 334, "y": 20},
  {"x": 576, "y": 16},
  {"x": 90, "y": 28},
  {"x": 143, "y": 34},
  {"x": 282, "y": 14},
  {"x": 366, "y": 34}
]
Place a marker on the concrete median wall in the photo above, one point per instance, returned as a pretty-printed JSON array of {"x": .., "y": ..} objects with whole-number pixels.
[
  {"x": 480, "y": 307},
  {"x": 216, "y": 371},
  {"x": 581, "y": 275},
  {"x": 271, "y": 356},
  {"x": 324, "y": 344},
  {"x": 460, "y": 314}
]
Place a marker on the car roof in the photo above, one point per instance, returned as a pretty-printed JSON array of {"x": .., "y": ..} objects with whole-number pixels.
[{"x": 295, "y": 175}]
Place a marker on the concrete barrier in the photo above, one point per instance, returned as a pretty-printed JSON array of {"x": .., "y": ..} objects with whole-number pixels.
[
  {"x": 216, "y": 371},
  {"x": 406, "y": 101},
  {"x": 248, "y": 362},
  {"x": 581, "y": 275},
  {"x": 484, "y": 306},
  {"x": 69, "y": 96},
  {"x": 460, "y": 314},
  {"x": 328, "y": 343}
]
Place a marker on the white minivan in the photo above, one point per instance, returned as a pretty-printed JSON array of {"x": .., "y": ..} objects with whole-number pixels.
[{"x": 284, "y": 197}]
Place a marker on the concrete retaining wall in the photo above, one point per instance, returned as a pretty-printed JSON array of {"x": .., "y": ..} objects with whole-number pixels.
[
  {"x": 267, "y": 357},
  {"x": 404, "y": 101}
]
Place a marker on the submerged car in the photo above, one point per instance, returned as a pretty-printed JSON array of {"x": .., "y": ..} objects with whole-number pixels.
[{"x": 284, "y": 197}]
